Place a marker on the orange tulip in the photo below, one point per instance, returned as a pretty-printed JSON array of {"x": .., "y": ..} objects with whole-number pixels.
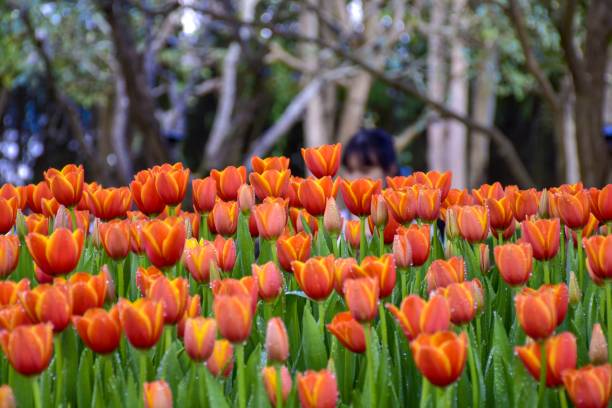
[
  {"x": 143, "y": 321},
  {"x": 48, "y": 304},
  {"x": 298, "y": 216},
  {"x": 514, "y": 262},
  {"x": 292, "y": 191},
  {"x": 269, "y": 163},
  {"x": 428, "y": 204},
  {"x": 171, "y": 182},
  {"x": 416, "y": 316},
  {"x": 7, "y": 398},
  {"x": 270, "y": 183},
  {"x": 58, "y": 253},
  {"x": 226, "y": 253},
  {"x": 317, "y": 389},
  {"x": 229, "y": 181},
  {"x": 9, "y": 291},
  {"x": 601, "y": 203},
  {"x": 269, "y": 280},
  {"x": 473, "y": 222},
  {"x": 172, "y": 294},
  {"x": 380, "y": 268},
  {"x": 146, "y": 277},
  {"x": 537, "y": 312},
  {"x": 100, "y": 330},
  {"x": 465, "y": 299},
  {"x": 37, "y": 223},
  {"x": 361, "y": 297},
  {"x": 14, "y": 316},
  {"x": 293, "y": 248},
  {"x": 348, "y": 331},
  {"x": 246, "y": 286},
  {"x": 323, "y": 160},
  {"x": 315, "y": 276},
  {"x": 402, "y": 204},
  {"x": 379, "y": 214},
  {"x": 193, "y": 309},
  {"x": 116, "y": 237},
  {"x": 109, "y": 203},
  {"x": 357, "y": 194},
  {"x": 49, "y": 207},
  {"x": 574, "y": 209},
  {"x": 234, "y": 316},
  {"x": 434, "y": 179},
  {"x": 561, "y": 355},
  {"x": 164, "y": 241},
  {"x": 35, "y": 194},
  {"x": 199, "y": 337},
  {"x": 8, "y": 214},
  {"x": 589, "y": 386},
  {"x": 277, "y": 340},
  {"x": 157, "y": 394},
  {"x": 66, "y": 184},
  {"x": 313, "y": 193},
  {"x": 270, "y": 380},
  {"x": 145, "y": 194},
  {"x": 8, "y": 191},
  {"x": 599, "y": 257},
  {"x": 500, "y": 214},
  {"x": 524, "y": 203},
  {"x": 225, "y": 216},
  {"x": 543, "y": 235},
  {"x": 485, "y": 191},
  {"x": 442, "y": 273},
  {"x": 440, "y": 356},
  {"x": 199, "y": 261},
  {"x": 587, "y": 231},
  {"x": 343, "y": 270},
  {"x": 418, "y": 239},
  {"x": 455, "y": 197},
  {"x": 221, "y": 362},
  {"x": 352, "y": 233},
  {"x": 28, "y": 348},
  {"x": 271, "y": 218},
  {"x": 204, "y": 194},
  {"x": 87, "y": 291},
  {"x": 9, "y": 254}
]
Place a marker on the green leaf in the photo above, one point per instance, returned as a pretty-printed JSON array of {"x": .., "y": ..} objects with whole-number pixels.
[
  {"x": 170, "y": 369},
  {"x": 83, "y": 380},
  {"x": 312, "y": 340},
  {"x": 215, "y": 392}
]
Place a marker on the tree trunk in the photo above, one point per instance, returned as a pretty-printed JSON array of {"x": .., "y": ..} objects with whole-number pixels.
[{"x": 354, "y": 105}]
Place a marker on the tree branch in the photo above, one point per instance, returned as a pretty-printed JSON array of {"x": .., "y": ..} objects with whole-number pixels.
[
  {"x": 565, "y": 26},
  {"x": 408, "y": 135}
]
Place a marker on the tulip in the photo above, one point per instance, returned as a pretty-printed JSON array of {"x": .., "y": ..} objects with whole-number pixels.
[
  {"x": 440, "y": 356},
  {"x": 271, "y": 218},
  {"x": 464, "y": 300},
  {"x": 58, "y": 253},
  {"x": 7, "y": 398},
  {"x": 323, "y": 160},
  {"x": 193, "y": 309},
  {"x": 361, "y": 296},
  {"x": 172, "y": 294},
  {"x": 200, "y": 259},
  {"x": 543, "y": 235},
  {"x": 66, "y": 184},
  {"x": 574, "y": 209},
  {"x": 146, "y": 277},
  {"x": 49, "y": 207},
  {"x": 171, "y": 182},
  {"x": 455, "y": 198},
  {"x": 586, "y": 232},
  {"x": 332, "y": 220},
  {"x": 293, "y": 248},
  {"x": 109, "y": 203},
  {"x": 599, "y": 257},
  {"x": 402, "y": 204},
  {"x": 536, "y": 312},
  {"x": 419, "y": 241},
  {"x": 234, "y": 316},
  {"x": 349, "y": 332},
  {"x": 524, "y": 203},
  {"x": 9, "y": 291},
  {"x": 352, "y": 233},
  {"x": 37, "y": 223},
  {"x": 598, "y": 347},
  {"x": 157, "y": 394},
  {"x": 63, "y": 219},
  {"x": 381, "y": 269},
  {"x": 246, "y": 286},
  {"x": 378, "y": 212},
  {"x": 260, "y": 165},
  {"x": 48, "y": 304},
  {"x": 514, "y": 262},
  {"x": 9, "y": 254},
  {"x": 145, "y": 194},
  {"x": 315, "y": 276},
  {"x": 485, "y": 191},
  {"x": 35, "y": 194},
  {"x": 434, "y": 179},
  {"x": 225, "y": 216},
  {"x": 561, "y": 355},
  {"x": 416, "y": 316},
  {"x": 270, "y": 380},
  {"x": 270, "y": 183},
  {"x": 428, "y": 204},
  {"x": 14, "y": 316},
  {"x": 199, "y": 337},
  {"x": 143, "y": 321},
  {"x": 269, "y": 280},
  {"x": 600, "y": 202},
  {"x": 87, "y": 291},
  {"x": 313, "y": 193},
  {"x": 292, "y": 191},
  {"x": 116, "y": 237},
  {"x": 100, "y": 330},
  {"x": 358, "y": 194},
  {"x": 8, "y": 214},
  {"x": 229, "y": 181},
  {"x": 28, "y": 348},
  {"x": 277, "y": 340},
  {"x": 298, "y": 216},
  {"x": 226, "y": 253},
  {"x": 589, "y": 386},
  {"x": 473, "y": 223},
  {"x": 402, "y": 251},
  {"x": 317, "y": 389},
  {"x": 8, "y": 191},
  {"x": 500, "y": 214},
  {"x": 221, "y": 362},
  {"x": 343, "y": 269},
  {"x": 164, "y": 241},
  {"x": 560, "y": 293},
  {"x": 442, "y": 273}
]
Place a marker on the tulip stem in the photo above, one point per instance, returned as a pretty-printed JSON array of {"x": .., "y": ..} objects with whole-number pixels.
[
  {"x": 425, "y": 390},
  {"x": 562, "y": 399},
  {"x": 404, "y": 281},
  {"x": 609, "y": 301},
  {"x": 363, "y": 244},
  {"x": 417, "y": 282},
  {"x": 240, "y": 376},
  {"x": 204, "y": 232},
  {"x": 580, "y": 260},
  {"x": 370, "y": 361},
  {"x": 383, "y": 323},
  {"x": 120, "y": 280},
  {"x": 546, "y": 272},
  {"x": 322, "y": 318},
  {"x": 142, "y": 354},
  {"x": 381, "y": 241},
  {"x": 36, "y": 392},
  {"x": 279, "y": 387},
  {"x": 473, "y": 375},
  {"x": 59, "y": 370},
  {"x": 204, "y": 299},
  {"x": 543, "y": 368},
  {"x": 73, "y": 218}
]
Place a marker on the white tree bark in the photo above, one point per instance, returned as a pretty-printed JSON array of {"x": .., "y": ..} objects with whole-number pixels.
[{"x": 572, "y": 163}]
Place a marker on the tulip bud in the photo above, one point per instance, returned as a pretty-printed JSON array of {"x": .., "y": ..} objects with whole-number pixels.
[
  {"x": 378, "y": 210},
  {"x": 270, "y": 379},
  {"x": 451, "y": 229},
  {"x": 246, "y": 198},
  {"x": 402, "y": 251},
  {"x": 22, "y": 229},
  {"x": 543, "y": 206},
  {"x": 96, "y": 237},
  {"x": 269, "y": 280},
  {"x": 483, "y": 256},
  {"x": 62, "y": 219},
  {"x": 598, "y": 348},
  {"x": 221, "y": 361},
  {"x": 574, "y": 289},
  {"x": 332, "y": 220},
  {"x": 277, "y": 340},
  {"x": 188, "y": 229},
  {"x": 7, "y": 398},
  {"x": 157, "y": 394}
]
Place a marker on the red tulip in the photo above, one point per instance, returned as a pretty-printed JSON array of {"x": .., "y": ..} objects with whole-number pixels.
[
  {"x": 14, "y": 316},
  {"x": 8, "y": 214},
  {"x": 543, "y": 235},
  {"x": 537, "y": 312},
  {"x": 100, "y": 330},
  {"x": 440, "y": 356},
  {"x": 561, "y": 355},
  {"x": 442, "y": 273},
  {"x": 171, "y": 182},
  {"x": 417, "y": 316},
  {"x": 402, "y": 204},
  {"x": 246, "y": 286},
  {"x": 199, "y": 261},
  {"x": 66, "y": 184},
  {"x": 164, "y": 241},
  {"x": 485, "y": 191},
  {"x": 57, "y": 254},
  {"x": 428, "y": 204},
  {"x": 473, "y": 222},
  {"x": 293, "y": 248},
  {"x": 434, "y": 179},
  {"x": 315, "y": 276},
  {"x": 352, "y": 233},
  {"x": 9, "y": 254},
  {"x": 269, "y": 280},
  {"x": 172, "y": 294},
  {"x": 270, "y": 183},
  {"x": 87, "y": 291},
  {"x": 204, "y": 194},
  {"x": 108, "y": 203},
  {"x": 37, "y": 223},
  {"x": 343, "y": 270},
  {"x": 313, "y": 193},
  {"x": 271, "y": 218},
  {"x": 500, "y": 214},
  {"x": 465, "y": 299},
  {"x": 221, "y": 362},
  {"x": 229, "y": 181},
  {"x": 9, "y": 291},
  {"x": 455, "y": 198},
  {"x": 277, "y": 340},
  {"x": 225, "y": 216},
  {"x": 234, "y": 316},
  {"x": 48, "y": 304},
  {"x": 28, "y": 348},
  {"x": 116, "y": 237},
  {"x": 589, "y": 386},
  {"x": 193, "y": 309},
  {"x": 269, "y": 163},
  {"x": 574, "y": 209},
  {"x": 514, "y": 262},
  {"x": 226, "y": 253},
  {"x": 323, "y": 160},
  {"x": 381, "y": 269},
  {"x": 601, "y": 203},
  {"x": 317, "y": 389},
  {"x": 270, "y": 380},
  {"x": 524, "y": 203},
  {"x": 418, "y": 239},
  {"x": 145, "y": 194},
  {"x": 349, "y": 332},
  {"x": 599, "y": 257},
  {"x": 199, "y": 337},
  {"x": 143, "y": 321},
  {"x": 361, "y": 297},
  {"x": 146, "y": 277}
]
